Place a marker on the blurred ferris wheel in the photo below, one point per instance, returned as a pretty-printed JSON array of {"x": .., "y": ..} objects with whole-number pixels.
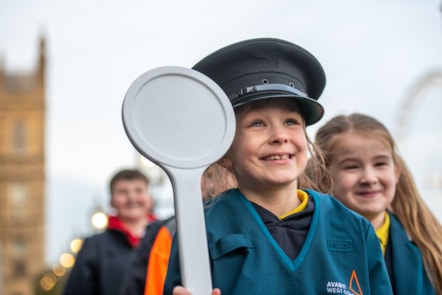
[
  {"x": 419, "y": 128},
  {"x": 429, "y": 82}
]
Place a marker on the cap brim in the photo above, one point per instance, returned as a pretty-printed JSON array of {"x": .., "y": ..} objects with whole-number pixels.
[{"x": 312, "y": 111}]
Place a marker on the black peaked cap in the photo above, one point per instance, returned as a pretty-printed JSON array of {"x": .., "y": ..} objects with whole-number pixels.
[{"x": 266, "y": 68}]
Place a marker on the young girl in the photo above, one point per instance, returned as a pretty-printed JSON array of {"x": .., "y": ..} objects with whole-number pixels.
[
  {"x": 267, "y": 236},
  {"x": 371, "y": 178}
]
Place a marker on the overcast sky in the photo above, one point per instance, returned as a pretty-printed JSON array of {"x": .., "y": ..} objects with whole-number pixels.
[{"x": 374, "y": 53}]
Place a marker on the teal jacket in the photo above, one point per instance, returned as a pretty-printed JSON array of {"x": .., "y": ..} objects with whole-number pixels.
[
  {"x": 341, "y": 253},
  {"x": 408, "y": 268}
]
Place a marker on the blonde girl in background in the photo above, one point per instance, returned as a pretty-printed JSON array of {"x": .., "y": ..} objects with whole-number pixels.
[{"x": 371, "y": 178}]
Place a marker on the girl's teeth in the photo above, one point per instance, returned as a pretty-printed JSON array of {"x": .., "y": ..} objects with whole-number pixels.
[{"x": 284, "y": 157}]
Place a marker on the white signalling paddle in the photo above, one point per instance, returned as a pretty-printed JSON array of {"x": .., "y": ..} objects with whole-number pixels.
[{"x": 183, "y": 121}]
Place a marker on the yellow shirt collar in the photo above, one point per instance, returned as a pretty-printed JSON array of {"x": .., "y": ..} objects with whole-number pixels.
[
  {"x": 382, "y": 232},
  {"x": 303, "y": 197}
]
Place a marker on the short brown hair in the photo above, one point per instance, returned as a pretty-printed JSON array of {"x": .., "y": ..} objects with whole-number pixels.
[{"x": 127, "y": 174}]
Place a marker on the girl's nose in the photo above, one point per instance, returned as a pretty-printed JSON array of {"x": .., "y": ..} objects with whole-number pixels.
[
  {"x": 368, "y": 176},
  {"x": 278, "y": 135}
]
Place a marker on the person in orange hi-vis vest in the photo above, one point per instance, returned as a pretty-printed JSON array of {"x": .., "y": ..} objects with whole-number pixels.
[{"x": 149, "y": 261}]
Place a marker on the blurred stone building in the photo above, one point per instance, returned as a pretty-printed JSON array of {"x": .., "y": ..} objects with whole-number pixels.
[{"x": 22, "y": 177}]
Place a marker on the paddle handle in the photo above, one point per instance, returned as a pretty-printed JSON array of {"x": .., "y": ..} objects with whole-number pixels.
[{"x": 191, "y": 230}]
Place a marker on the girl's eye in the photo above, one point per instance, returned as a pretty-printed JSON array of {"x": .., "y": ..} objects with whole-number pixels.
[
  {"x": 350, "y": 166},
  {"x": 292, "y": 122},
  {"x": 381, "y": 164},
  {"x": 257, "y": 123}
]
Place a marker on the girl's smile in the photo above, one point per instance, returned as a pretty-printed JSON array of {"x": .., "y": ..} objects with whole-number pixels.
[{"x": 277, "y": 157}]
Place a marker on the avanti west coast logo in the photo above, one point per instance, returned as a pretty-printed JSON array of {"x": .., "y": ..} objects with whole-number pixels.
[{"x": 353, "y": 288}]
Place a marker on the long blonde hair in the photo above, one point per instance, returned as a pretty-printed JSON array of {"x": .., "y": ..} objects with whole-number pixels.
[
  {"x": 408, "y": 206},
  {"x": 215, "y": 180}
]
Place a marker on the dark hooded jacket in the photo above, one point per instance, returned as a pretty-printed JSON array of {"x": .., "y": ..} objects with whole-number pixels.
[{"x": 102, "y": 262}]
